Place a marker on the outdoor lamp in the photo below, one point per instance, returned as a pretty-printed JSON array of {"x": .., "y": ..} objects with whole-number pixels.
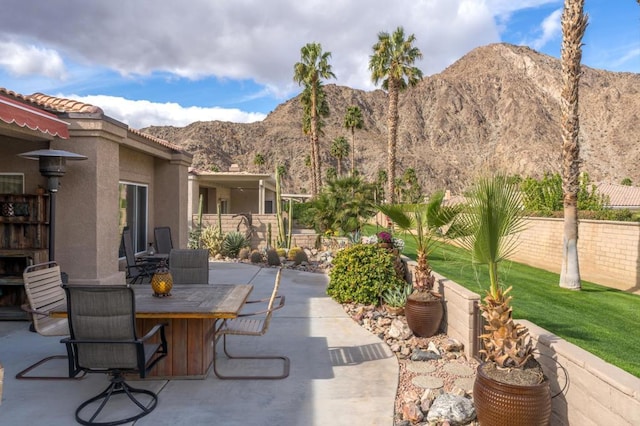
[{"x": 52, "y": 166}]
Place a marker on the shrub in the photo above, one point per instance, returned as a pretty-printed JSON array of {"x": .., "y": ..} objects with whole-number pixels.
[
  {"x": 233, "y": 242},
  {"x": 361, "y": 273},
  {"x": 273, "y": 259},
  {"x": 256, "y": 257}
]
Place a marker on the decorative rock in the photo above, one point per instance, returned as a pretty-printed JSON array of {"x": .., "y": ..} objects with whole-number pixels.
[
  {"x": 394, "y": 347},
  {"x": 433, "y": 348},
  {"x": 421, "y": 367},
  {"x": 427, "y": 382},
  {"x": 453, "y": 345},
  {"x": 405, "y": 351},
  {"x": 412, "y": 413},
  {"x": 420, "y": 355},
  {"x": 451, "y": 408},
  {"x": 399, "y": 330}
]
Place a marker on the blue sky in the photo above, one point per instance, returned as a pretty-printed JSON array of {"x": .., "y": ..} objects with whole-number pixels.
[{"x": 162, "y": 62}]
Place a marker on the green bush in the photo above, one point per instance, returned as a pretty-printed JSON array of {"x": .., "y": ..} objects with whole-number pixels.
[
  {"x": 232, "y": 244},
  {"x": 361, "y": 273}
]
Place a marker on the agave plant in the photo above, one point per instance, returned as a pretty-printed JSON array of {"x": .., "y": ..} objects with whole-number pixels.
[
  {"x": 233, "y": 242},
  {"x": 423, "y": 222},
  {"x": 488, "y": 228}
]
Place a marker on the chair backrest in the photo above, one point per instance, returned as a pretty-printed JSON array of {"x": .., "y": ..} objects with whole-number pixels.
[
  {"x": 43, "y": 287},
  {"x": 127, "y": 244},
  {"x": 189, "y": 266},
  {"x": 164, "y": 244},
  {"x": 102, "y": 312},
  {"x": 274, "y": 294}
]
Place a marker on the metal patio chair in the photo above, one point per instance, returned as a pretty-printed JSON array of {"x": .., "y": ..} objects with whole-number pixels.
[
  {"x": 102, "y": 325},
  {"x": 189, "y": 266},
  {"x": 243, "y": 325},
  {"x": 164, "y": 244},
  {"x": 136, "y": 269}
]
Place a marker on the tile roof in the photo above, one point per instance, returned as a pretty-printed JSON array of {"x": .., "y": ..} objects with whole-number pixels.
[
  {"x": 620, "y": 195},
  {"x": 62, "y": 105}
]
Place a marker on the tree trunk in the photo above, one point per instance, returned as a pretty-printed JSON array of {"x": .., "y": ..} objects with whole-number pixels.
[
  {"x": 353, "y": 150},
  {"x": 392, "y": 122},
  {"x": 574, "y": 23},
  {"x": 314, "y": 188}
]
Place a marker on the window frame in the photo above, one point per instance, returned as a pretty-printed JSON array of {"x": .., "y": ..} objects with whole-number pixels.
[{"x": 139, "y": 236}]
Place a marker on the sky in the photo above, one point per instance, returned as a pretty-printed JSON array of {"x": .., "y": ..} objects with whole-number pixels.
[{"x": 167, "y": 62}]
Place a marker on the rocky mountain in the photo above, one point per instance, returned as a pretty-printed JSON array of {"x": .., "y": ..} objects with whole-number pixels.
[{"x": 497, "y": 108}]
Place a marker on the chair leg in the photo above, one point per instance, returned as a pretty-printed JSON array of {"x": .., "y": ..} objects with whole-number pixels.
[
  {"x": 285, "y": 367},
  {"x": 22, "y": 375},
  {"x": 116, "y": 387}
]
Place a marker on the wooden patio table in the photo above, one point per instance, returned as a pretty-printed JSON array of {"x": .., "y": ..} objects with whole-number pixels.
[{"x": 191, "y": 313}]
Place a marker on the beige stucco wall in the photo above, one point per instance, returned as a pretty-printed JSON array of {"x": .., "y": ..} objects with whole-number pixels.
[{"x": 609, "y": 252}]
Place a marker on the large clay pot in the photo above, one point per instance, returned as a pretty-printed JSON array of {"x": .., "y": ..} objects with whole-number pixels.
[
  {"x": 424, "y": 317},
  {"x": 502, "y": 404}
]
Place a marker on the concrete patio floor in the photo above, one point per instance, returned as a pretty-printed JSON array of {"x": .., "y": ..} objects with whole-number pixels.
[{"x": 340, "y": 373}]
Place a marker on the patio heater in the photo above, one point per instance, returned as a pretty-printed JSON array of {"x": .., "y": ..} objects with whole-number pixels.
[{"x": 53, "y": 167}]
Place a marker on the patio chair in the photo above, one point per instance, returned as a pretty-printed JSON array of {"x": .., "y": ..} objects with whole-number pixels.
[
  {"x": 43, "y": 287},
  {"x": 164, "y": 244},
  {"x": 245, "y": 326},
  {"x": 189, "y": 266},
  {"x": 102, "y": 324},
  {"x": 136, "y": 269}
]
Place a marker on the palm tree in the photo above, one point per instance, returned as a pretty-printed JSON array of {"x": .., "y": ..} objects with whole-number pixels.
[
  {"x": 339, "y": 150},
  {"x": 392, "y": 63},
  {"x": 258, "y": 160},
  {"x": 574, "y": 23},
  {"x": 352, "y": 121},
  {"x": 423, "y": 223},
  {"x": 310, "y": 71},
  {"x": 488, "y": 228}
]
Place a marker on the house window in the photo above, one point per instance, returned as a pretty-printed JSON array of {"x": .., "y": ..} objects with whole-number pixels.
[
  {"x": 11, "y": 183},
  {"x": 268, "y": 207},
  {"x": 133, "y": 204}
]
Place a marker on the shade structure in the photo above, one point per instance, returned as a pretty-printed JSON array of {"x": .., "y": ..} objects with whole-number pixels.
[{"x": 23, "y": 115}]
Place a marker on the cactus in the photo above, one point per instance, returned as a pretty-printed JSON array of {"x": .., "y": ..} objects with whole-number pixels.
[
  {"x": 255, "y": 257},
  {"x": 282, "y": 252},
  {"x": 269, "y": 240},
  {"x": 300, "y": 257},
  {"x": 281, "y": 232},
  {"x": 243, "y": 254},
  {"x": 272, "y": 257}
]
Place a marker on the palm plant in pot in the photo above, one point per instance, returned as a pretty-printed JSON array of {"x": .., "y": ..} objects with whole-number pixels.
[
  {"x": 423, "y": 222},
  {"x": 510, "y": 387}
]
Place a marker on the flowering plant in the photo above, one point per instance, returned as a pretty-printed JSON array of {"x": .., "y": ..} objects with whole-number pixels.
[
  {"x": 385, "y": 237},
  {"x": 398, "y": 243}
]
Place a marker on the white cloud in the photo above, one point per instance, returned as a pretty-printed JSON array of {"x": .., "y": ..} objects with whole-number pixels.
[
  {"x": 139, "y": 114},
  {"x": 550, "y": 29},
  {"x": 24, "y": 60}
]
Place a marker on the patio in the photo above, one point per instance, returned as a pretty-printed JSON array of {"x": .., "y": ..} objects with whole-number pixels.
[{"x": 340, "y": 373}]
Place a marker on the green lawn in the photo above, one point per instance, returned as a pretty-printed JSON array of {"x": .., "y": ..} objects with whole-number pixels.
[{"x": 599, "y": 319}]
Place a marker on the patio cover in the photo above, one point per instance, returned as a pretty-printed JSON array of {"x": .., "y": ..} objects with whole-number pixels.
[{"x": 33, "y": 118}]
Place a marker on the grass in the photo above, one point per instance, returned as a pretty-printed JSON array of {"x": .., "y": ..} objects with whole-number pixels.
[{"x": 599, "y": 319}]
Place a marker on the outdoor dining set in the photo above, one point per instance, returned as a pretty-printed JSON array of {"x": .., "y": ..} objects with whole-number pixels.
[{"x": 127, "y": 331}]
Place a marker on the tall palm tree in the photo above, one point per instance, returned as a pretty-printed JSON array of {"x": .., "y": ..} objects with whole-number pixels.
[
  {"x": 310, "y": 71},
  {"x": 352, "y": 121},
  {"x": 392, "y": 63},
  {"x": 339, "y": 150},
  {"x": 258, "y": 160},
  {"x": 574, "y": 23},
  {"x": 322, "y": 110}
]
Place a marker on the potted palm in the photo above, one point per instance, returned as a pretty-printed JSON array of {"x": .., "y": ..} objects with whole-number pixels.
[
  {"x": 423, "y": 222},
  {"x": 510, "y": 387}
]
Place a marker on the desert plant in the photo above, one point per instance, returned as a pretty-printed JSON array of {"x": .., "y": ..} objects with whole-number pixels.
[
  {"x": 282, "y": 252},
  {"x": 256, "y": 257},
  {"x": 244, "y": 252},
  {"x": 273, "y": 259},
  {"x": 233, "y": 242},
  {"x": 361, "y": 273},
  {"x": 488, "y": 229},
  {"x": 397, "y": 297},
  {"x": 211, "y": 238},
  {"x": 423, "y": 222},
  {"x": 299, "y": 257},
  {"x": 292, "y": 252}
]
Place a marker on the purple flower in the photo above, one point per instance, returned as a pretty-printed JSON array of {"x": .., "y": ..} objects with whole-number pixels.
[{"x": 384, "y": 237}]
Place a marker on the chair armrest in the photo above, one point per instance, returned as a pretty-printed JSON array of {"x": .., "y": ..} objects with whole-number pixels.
[
  {"x": 275, "y": 308},
  {"x": 69, "y": 340},
  {"x": 153, "y": 331},
  {"x": 27, "y": 308}
]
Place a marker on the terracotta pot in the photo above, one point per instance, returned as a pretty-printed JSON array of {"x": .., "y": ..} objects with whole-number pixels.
[
  {"x": 424, "y": 317},
  {"x": 499, "y": 404}
]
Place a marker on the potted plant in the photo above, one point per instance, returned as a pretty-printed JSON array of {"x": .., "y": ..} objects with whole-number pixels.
[
  {"x": 423, "y": 222},
  {"x": 395, "y": 299},
  {"x": 510, "y": 387}
]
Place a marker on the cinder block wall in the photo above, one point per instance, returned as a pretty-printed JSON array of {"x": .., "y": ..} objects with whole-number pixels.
[
  {"x": 259, "y": 221},
  {"x": 609, "y": 252}
]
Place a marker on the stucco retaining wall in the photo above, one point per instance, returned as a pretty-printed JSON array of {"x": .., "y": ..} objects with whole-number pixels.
[
  {"x": 598, "y": 393},
  {"x": 259, "y": 221},
  {"x": 609, "y": 252}
]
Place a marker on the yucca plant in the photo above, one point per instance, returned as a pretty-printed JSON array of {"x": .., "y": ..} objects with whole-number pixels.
[
  {"x": 233, "y": 242},
  {"x": 488, "y": 228},
  {"x": 423, "y": 222}
]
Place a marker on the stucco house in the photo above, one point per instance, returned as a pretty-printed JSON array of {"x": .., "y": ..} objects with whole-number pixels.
[{"x": 128, "y": 179}]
